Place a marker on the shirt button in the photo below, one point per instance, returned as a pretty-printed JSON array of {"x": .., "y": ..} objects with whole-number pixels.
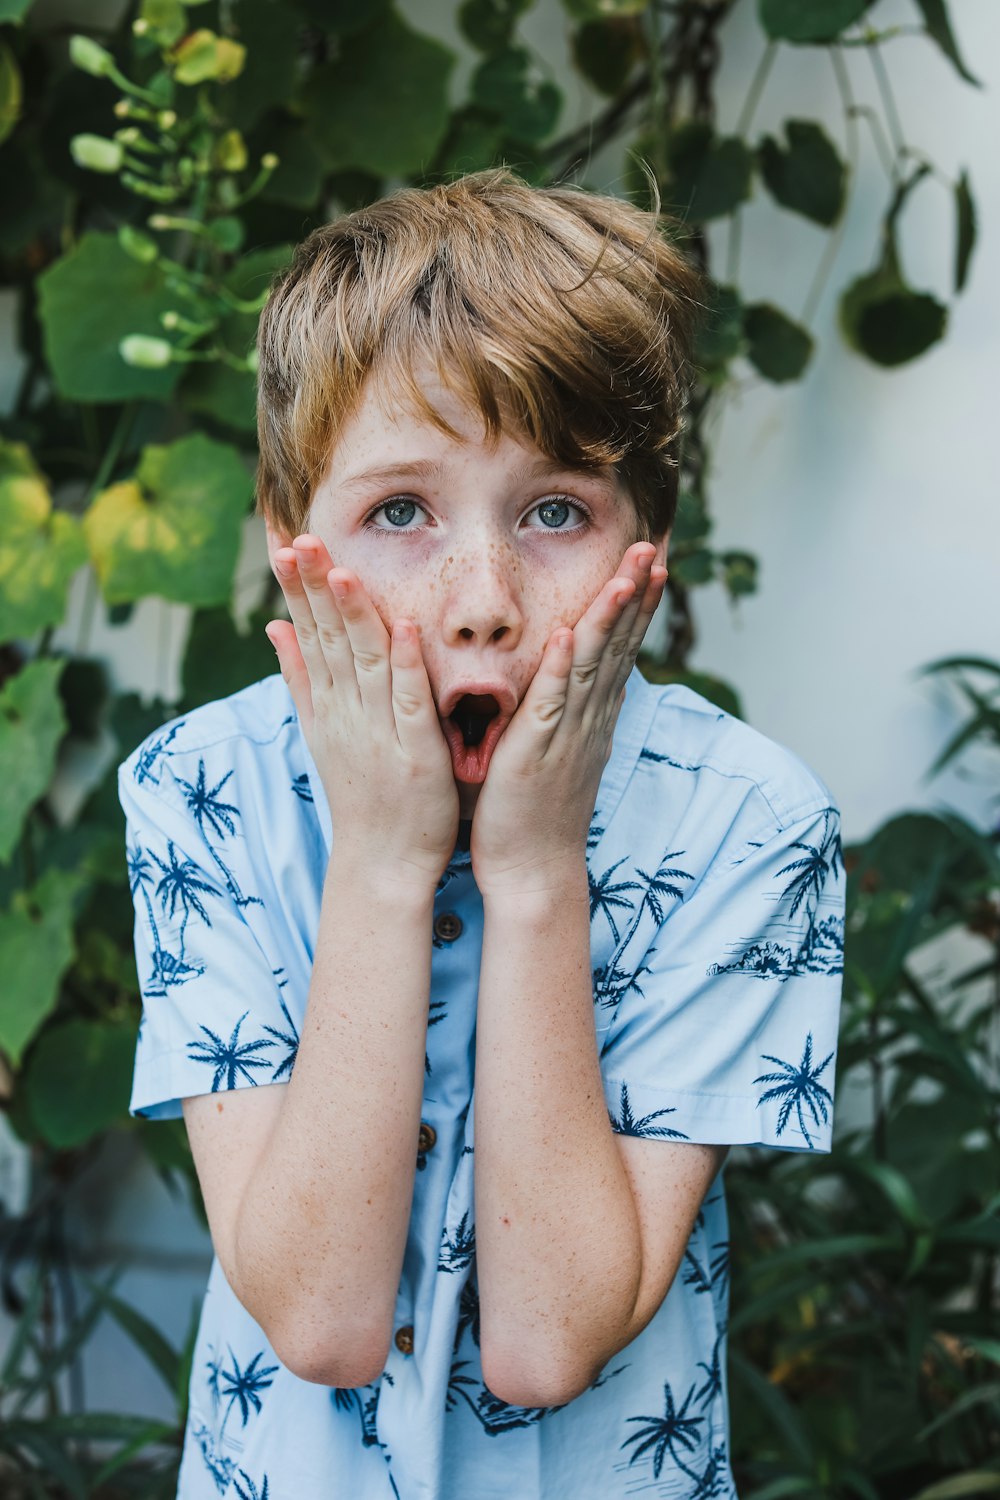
[
  {"x": 447, "y": 926},
  {"x": 426, "y": 1138},
  {"x": 404, "y": 1339}
]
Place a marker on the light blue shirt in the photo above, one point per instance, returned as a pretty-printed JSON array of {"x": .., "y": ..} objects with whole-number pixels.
[{"x": 717, "y": 924}]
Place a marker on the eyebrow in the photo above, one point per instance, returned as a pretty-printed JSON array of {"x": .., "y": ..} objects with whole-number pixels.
[{"x": 427, "y": 468}]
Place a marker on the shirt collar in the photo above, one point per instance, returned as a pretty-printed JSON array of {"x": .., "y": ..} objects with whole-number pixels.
[{"x": 631, "y": 730}]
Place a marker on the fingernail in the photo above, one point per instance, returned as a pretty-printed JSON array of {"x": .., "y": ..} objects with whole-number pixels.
[{"x": 270, "y": 638}]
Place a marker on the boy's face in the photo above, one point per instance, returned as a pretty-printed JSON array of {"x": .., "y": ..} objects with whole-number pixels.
[{"x": 486, "y": 549}]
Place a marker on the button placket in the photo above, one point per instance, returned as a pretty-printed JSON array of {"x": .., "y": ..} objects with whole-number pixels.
[
  {"x": 448, "y": 926},
  {"x": 404, "y": 1339}
]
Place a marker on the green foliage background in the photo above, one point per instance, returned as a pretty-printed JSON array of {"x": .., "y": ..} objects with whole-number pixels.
[{"x": 153, "y": 176}]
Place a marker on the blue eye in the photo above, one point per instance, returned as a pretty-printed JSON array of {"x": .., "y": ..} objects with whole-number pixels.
[
  {"x": 399, "y": 512},
  {"x": 555, "y": 513}
]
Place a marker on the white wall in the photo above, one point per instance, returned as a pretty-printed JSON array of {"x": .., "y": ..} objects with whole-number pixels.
[{"x": 869, "y": 497}]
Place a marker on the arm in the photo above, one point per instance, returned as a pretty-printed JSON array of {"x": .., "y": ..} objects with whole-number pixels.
[
  {"x": 309, "y": 1191},
  {"x": 308, "y": 1185},
  {"x": 579, "y": 1231}
]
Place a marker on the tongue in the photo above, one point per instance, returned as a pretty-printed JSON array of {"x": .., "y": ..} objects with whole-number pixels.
[{"x": 473, "y": 713}]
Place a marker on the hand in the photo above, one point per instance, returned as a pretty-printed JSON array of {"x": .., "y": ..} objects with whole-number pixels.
[
  {"x": 533, "y": 815},
  {"x": 368, "y": 716}
]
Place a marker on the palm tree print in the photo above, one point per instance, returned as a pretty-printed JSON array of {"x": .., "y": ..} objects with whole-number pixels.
[
  {"x": 611, "y": 984},
  {"x": 468, "y": 1314},
  {"x": 659, "y": 887},
  {"x": 218, "y": 1465},
  {"x": 667, "y": 1433},
  {"x": 627, "y": 1124},
  {"x": 214, "y": 1367},
  {"x": 714, "y": 1479},
  {"x": 251, "y": 1492},
  {"x": 229, "y": 1059},
  {"x": 244, "y": 1387},
  {"x": 348, "y": 1397},
  {"x": 168, "y": 968},
  {"x": 494, "y": 1416},
  {"x": 181, "y": 886},
  {"x": 798, "y": 1086},
  {"x": 457, "y": 1250},
  {"x": 713, "y": 1374},
  {"x": 605, "y": 894},
  {"x": 718, "y": 1268},
  {"x": 290, "y": 1038},
  {"x": 301, "y": 787},
  {"x": 208, "y": 808},
  {"x": 820, "y": 948},
  {"x": 150, "y": 753}
]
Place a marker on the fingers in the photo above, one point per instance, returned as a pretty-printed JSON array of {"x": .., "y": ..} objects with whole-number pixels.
[
  {"x": 412, "y": 700},
  {"x": 608, "y": 637},
  {"x": 292, "y": 667}
]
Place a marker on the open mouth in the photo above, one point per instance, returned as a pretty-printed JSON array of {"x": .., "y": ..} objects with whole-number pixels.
[
  {"x": 472, "y": 728},
  {"x": 472, "y": 713}
]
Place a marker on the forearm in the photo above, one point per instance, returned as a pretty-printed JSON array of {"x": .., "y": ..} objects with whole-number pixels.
[
  {"x": 322, "y": 1226},
  {"x": 557, "y": 1233}
]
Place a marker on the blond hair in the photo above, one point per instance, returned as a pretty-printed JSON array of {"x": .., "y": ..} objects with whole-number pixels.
[{"x": 565, "y": 316}]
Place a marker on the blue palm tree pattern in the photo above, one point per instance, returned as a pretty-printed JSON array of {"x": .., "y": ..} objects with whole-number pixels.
[
  {"x": 364, "y": 1399},
  {"x": 606, "y": 894},
  {"x": 213, "y": 1365},
  {"x": 218, "y": 1465},
  {"x": 704, "y": 1279},
  {"x": 819, "y": 948},
  {"x": 232, "y": 1059},
  {"x": 251, "y": 1492},
  {"x": 468, "y": 1315},
  {"x": 458, "y": 1249},
  {"x": 659, "y": 887},
  {"x": 713, "y": 1479},
  {"x": 495, "y": 1416},
  {"x": 626, "y": 1123},
  {"x": 713, "y": 1372},
  {"x": 668, "y": 1433},
  {"x": 168, "y": 968},
  {"x": 181, "y": 886},
  {"x": 153, "y": 750},
  {"x": 797, "y": 1085},
  {"x": 301, "y": 787},
  {"x": 290, "y": 1040},
  {"x": 218, "y": 817},
  {"x": 243, "y": 1387}
]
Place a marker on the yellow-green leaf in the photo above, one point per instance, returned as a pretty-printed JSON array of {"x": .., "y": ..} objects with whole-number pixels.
[
  {"x": 36, "y": 948},
  {"x": 32, "y": 723},
  {"x": 203, "y": 57},
  {"x": 39, "y": 550},
  {"x": 173, "y": 529},
  {"x": 10, "y": 91}
]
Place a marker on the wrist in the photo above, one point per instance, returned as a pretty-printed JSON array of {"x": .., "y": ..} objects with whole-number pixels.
[
  {"x": 382, "y": 878},
  {"x": 545, "y": 885}
]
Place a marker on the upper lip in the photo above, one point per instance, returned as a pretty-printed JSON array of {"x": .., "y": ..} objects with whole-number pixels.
[{"x": 506, "y": 701}]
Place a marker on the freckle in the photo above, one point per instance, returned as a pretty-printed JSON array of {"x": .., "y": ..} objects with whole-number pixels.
[
  {"x": 219, "y": 1106},
  {"x": 504, "y": 1219}
]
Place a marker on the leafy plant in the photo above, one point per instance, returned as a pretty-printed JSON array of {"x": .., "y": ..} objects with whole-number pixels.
[{"x": 155, "y": 173}]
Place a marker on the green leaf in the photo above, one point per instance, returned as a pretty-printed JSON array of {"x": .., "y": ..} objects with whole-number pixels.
[
  {"x": 778, "y": 347},
  {"x": 939, "y": 28},
  {"x": 78, "y": 1079},
  {"x": 382, "y": 105},
  {"x": 720, "y": 335},
  {"x": 972, "y": 1482},
  {"x": 218, "y": 661},
  {"x": 14, "y": 10},
  {"x": 740, "y": 570},
  {"x": 343, "y": 18},
  {"x": 512, "y": 86},
  {"x": 709, "y": 175},
  {"x": 605, "y": 52},
  {"x": 214, "y": 387},
  {"x": 31, "y": 725},
  {"x": 270, "y": 68},
  {"x": 11, "y": 91},
  {"x": 89, "y": 301},
  {"x": 809, "y": 177},
  {"x": 174, "y": 529},
  {"x": 39, "y": 550},
  {"x": 472, "y": 142},
  {"x": 298, "y": 177},
  {"x": 144, "y": 1334},
  {"x": 36, "y": 949},
  {"x": 890, "y": 324},
  {"x": 817, "y": 21},
  {"x": 965, "y": 238}
]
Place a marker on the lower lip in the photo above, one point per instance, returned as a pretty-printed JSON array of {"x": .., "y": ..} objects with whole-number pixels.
[{"x": 471, "y": 762}]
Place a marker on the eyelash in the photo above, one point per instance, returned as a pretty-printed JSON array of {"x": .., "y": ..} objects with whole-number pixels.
[{"x": 382, "y": 531}]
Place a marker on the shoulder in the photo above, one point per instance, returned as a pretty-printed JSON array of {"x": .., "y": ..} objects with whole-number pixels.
[
  {"x": 254, "y": 723},
  {"x": 709, "y": 771}
]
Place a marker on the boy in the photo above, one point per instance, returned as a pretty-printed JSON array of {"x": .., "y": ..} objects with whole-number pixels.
[{"x": 459, "y": 839}]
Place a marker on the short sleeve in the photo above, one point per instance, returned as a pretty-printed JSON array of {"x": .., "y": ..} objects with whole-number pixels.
[
  {"x": 213, "y": 1017},
  {"x": 726, "y": 1029}
]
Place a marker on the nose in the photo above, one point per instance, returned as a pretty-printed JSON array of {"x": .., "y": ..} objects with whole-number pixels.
[{"x": 483, "y": 603}]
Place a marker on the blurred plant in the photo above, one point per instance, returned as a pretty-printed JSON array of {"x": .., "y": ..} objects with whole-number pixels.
[{"x": 155, "y": 172}]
